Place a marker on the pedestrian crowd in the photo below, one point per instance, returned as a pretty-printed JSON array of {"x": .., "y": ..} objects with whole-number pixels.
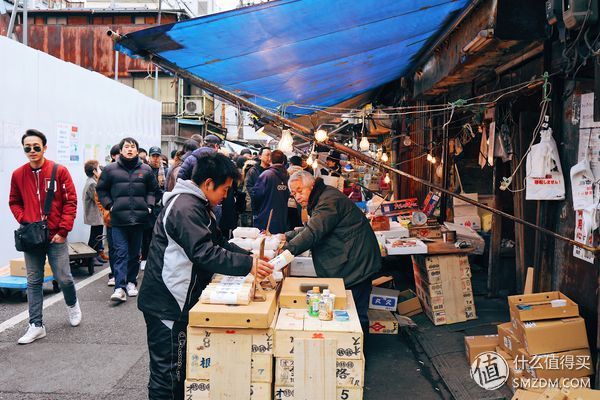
[{"x": 173, "y": 217}]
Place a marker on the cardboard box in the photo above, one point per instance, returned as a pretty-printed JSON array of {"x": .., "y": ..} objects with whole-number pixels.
[
  {"x": 582, "y": 394},
  {"x": 408, "y": 303},
  {"x": 521, "y": 394},
  {"x": 552, "y": 336},
  {"x": 292, "y": 296},
  {"x": 538, "y": 307},
  {"x": 469, "y": 221},
  {"x": 435, "y": 269},
  {"x": 383, "y": 299},
  {"x": 475, "y": 345},
  {"x": 200, "y": 390},
  {"x": 428, "y": 232},
  {"x": 258, "y": 315},
  {"x": 287, "y": 393},
  {"x": 503, "y": 353},
  {"x": 509, "y": 342},
  {"x": 462, "y": 208},
  {"x": 567, "y": 364},
  {"x": 200, "y": 358},
  {"x": 19, "y": 268},
  {"x": 349, "y": 373},
  {"x": 382, "y": 322},
  {"x": 302, "y": 266}
]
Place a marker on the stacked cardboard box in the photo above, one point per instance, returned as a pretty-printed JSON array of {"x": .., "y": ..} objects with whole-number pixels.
[
  {"x": 336, "y": 368},
  {"x": 225, "y": 341},
  {"x": 19, "y": 268},
  {"x": 545, "y": 340},
  {"x": 443, "y": 284}
]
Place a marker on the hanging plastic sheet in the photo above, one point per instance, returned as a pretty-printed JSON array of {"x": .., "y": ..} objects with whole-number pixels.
[{"x": 311, "y": 52}]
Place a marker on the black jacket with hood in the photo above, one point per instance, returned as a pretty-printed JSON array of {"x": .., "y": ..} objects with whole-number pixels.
[
  {"x": 128, "y": 189},
  {"x": 186, "y": 250},
  {"x": 271, "y": 193}
]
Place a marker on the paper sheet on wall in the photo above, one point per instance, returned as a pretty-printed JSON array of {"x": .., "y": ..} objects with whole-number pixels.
[
  {"x": 67, "y": 140},
  {"x": 589, "y": 133},
  {"x": 583, "y": 234}
]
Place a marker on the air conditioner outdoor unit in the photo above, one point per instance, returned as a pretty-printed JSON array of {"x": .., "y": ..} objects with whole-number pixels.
[{"x": 193, "y": 107}]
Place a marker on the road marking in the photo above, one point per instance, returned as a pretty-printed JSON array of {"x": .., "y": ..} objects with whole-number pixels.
[{"x": 9, "y": 323}]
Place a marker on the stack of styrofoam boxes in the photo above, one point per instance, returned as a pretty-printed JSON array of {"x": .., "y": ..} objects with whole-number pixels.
[
  {"x": 443, "y": 284},
  {"x": 546, "y": 339},
  {"x": 465, "y": 214},
  {"x": 295, "y": 324}
]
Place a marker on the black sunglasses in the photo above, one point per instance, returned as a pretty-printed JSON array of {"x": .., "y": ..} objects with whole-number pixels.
[{"x": 27, "y": 149}]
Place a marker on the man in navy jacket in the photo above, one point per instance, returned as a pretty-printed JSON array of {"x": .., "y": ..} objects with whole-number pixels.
[{"x": 271, "y": 193}]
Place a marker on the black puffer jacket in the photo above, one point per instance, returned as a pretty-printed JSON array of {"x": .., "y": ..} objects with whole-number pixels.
[{"x": 127, "y": 188}]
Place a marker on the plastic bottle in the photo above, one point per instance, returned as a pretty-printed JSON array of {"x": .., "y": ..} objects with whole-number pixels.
[
  {"x": 323, "y": 306},
  {"x": 315, "y": 298}
]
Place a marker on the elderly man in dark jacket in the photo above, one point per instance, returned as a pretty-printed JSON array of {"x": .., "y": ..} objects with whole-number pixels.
[
  {"x": 127, "y": 188},
  {"x": 340, "y": 237},
  {"x": 271, "y": 194}
]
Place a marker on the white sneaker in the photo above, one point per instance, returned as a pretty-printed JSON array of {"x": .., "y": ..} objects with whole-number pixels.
[
  {"x": 142, "y": 265},
  {"x": 111, "y": 281},
  {"x": 119, "y": 295},
  {"x": 33, "y": 333},
  {"x": 131, "y": 290},
  {"x": 74, "y": 314}
]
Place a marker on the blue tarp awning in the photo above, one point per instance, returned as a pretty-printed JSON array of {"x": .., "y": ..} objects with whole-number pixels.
[{"x": 303, "y": 52}]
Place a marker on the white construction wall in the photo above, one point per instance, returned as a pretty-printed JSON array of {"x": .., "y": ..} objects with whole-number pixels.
[{"x": 82, "y": 113}]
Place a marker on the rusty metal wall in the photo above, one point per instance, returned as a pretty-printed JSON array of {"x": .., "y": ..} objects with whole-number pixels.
[{"x": 87, "y": 46}]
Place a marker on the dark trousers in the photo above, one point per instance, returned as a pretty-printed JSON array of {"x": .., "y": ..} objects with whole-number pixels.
[
  {"x": 127, "y": 241},
  {"x": 95, "y": 240},
  {"x": 167, "y": 349},
  {"x": 361, "y": 292},
  {"x": 146, "y": 239},
  {"x": 111, "y": 252}
]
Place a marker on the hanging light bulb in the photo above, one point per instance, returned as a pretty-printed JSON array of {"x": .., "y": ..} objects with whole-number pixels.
[
  {"x": 286, "y": 142},
  {"x": 349, "y": 168},
  {"x": 433, "y": 160},
  {"x": 384, "y": 157},
  {"x": 407, "y": 140},
  {"x": 429, "y": 157},
  {"x": 321, "y": 135},
  {"x": 310, "y": 160},
  {"x": 364, "y": 144},
  {"x": 387, "y": 179}
]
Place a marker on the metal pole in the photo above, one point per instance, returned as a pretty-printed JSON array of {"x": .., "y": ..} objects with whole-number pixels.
[
  {"x": 116, "y": 65},
  {"x": 236, "y": 99},
  {"x": 13, "y": 17},
  {"x": 156, "y": 95},
  {"x": 25, "y": 22}
]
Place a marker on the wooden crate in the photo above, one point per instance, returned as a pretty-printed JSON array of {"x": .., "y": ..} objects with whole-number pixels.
[
  {"x": 443, "y": 285},
  {"x": 200, "y": 390},
  {"x": 382, "y": 322},
  {"x": 294, "y": 324},
  {"x": 200, "y": 356},
  {"x": 257, "y": 315},
  {"x": 349, "y": 373},
  {"x": 287, "y": 393}
]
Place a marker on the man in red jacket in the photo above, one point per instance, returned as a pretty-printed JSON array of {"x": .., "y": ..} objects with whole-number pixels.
[{"x": 28, "y": 188}]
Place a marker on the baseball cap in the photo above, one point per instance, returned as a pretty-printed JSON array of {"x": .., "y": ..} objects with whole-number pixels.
[
  {"x": 212, "y": 139},
  {"x": 154, "y": 150}
]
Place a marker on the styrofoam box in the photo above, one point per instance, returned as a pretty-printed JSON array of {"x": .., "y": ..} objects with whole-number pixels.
[
  {"x": 303, "y": 266},
  {"x": 419, "y": 248}
]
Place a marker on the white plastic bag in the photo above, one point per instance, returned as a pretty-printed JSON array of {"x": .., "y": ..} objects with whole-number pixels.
[
  {"x": 545, "y": 180},
  {"x": 582, "y": 185}
]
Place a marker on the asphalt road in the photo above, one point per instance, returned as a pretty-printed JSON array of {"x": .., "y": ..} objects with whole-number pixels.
[{"x": 106, "y": 356}]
